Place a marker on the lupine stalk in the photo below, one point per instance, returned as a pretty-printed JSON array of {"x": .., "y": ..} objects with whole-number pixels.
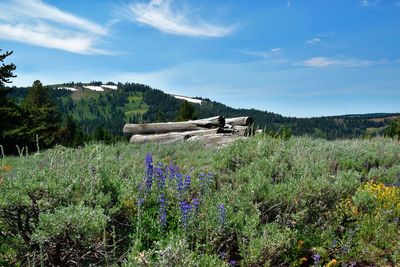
[
  {"x": 171, "y": 174},
  {"x": 188, "y": 181},
  {"x": 196, "y": 205},
  {"x": 316, "y": 258},
  {"x": 179, "y": 185},
  {"x": 160, "y": 176},
  {"x": 149, "y": 172},
  {"x": 221, "y": 216},
  {"x": 163, "y": 212},
  {"x": 185, "y": 215},
  {"x": 140, "y": 205}
]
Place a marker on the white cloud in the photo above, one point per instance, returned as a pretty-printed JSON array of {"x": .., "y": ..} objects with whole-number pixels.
[
  {"x": 162, "y": 15},
  {"x": 324, "y": 62},
  {"x": 288, "y": 3},
  {"x": 267, "y": 54},
  {"x": 397, "y": 4},
  {"x": 313, "y": 40},
  {"x": 275, "y": 50},
  {"x": 368, "y": 3},
  {"x": 37, "y": 23},
  {"x": 316, "y": 62}
]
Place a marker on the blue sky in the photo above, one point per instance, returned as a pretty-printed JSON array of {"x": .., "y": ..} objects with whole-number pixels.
[{"x": 299, "y": 58}]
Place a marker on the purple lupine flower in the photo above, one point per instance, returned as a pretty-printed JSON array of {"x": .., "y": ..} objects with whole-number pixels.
[
  {"x": 185, "y": 215},
  {"x": 351, "y": 235},
  {"x": 149, "y": 172},
  {"x": 334, "y": 244},
  {"x": 221, "y": 216},
  {"x": 140, "y": 205},
  {"x": 201, "y": 178},
  {"x": 116, "y": 157},
  {"x": 203, "y": 184},
  {"x": 179, "y": 185},
  {"x": 188, "y": 181},
  {"x": 316, "y": 258},
  {"x": 222, "y": 255},
  {"x": 209, "y": 177},
  {"x": 163, "y": 212},
  {"x": 232, "y": 263},
  {"x": 345, "y": 248},
  {"x": 171, "y": 173},
  {"x": 353, "y": 263},
  {"x": 196, "y": 205},
  {"x": 160, "y": 176},
  {"x": 93, "y": 170}
]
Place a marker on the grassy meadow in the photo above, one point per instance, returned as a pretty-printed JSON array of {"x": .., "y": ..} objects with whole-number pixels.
[{"x": 257, "y": 202}]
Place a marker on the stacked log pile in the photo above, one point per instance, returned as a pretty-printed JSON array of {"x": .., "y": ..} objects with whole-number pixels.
[{"x": 215, "y": 131}]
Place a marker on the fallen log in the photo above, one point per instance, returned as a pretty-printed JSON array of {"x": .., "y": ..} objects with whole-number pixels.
[
  {"x": 241, "y": 130},
  {"x": 168, "y": 127},
  {"x": 169, "y": 137},
  {"x": 236, "y": 130},
  {"x": 239, "y": 121},
  {"x": 215, "y": 140}
]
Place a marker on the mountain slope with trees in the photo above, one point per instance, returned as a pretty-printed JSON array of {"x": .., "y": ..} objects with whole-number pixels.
[{"x": 138, "y": 103}]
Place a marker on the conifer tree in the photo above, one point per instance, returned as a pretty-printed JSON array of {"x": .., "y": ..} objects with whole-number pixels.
[{"x": 186, "y": 112}]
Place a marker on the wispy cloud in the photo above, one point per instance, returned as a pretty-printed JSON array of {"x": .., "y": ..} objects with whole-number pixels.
[
  {"x": 324, "y": 62},
  {"x": 37, "y": 23},
  {"x": 267, "y": 54},
  {"x": 397, "y": 4},
  {"x": 313, "y": 40},
  {"x": 316, "y": 62},
  {"x": 288, "y": 3},
  {"x": 366, "y": 3},
  {"x": 164, "y": 16}
]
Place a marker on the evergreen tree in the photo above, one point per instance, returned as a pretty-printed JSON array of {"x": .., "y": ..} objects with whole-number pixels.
[
  {"x": 161, "y": 116},
  {"x": 103, "y": 135},
  {"x": 71, "y": 134},
  {"x": 38, "y": 95},
  {"x": 186, "y": 112},
  {"x": 6, "y": 72},
  {"x": 394, "y": 129},
  {"x": 10, "y": 112}
]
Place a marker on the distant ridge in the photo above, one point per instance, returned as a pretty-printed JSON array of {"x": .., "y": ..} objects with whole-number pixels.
[{"x": 117, "y": 104}]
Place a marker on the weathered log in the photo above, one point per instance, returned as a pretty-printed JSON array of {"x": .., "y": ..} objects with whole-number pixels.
[
  {"x": 239, "y": 121},
  {"x": 241, "y": 130},
  {"x": 215, "y": 140},
  {"x": 168, "y": 127},
  {"x": 169, "y": 137},
  {"x": 236, "y": 130}
]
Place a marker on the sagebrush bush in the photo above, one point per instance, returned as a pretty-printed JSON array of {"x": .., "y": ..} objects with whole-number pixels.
[{"x": 259, "y": 201}]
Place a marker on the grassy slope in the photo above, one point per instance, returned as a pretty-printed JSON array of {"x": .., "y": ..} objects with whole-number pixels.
[
  {"x": 284, "y": 201},
  {"x": 135, "y": 105}
]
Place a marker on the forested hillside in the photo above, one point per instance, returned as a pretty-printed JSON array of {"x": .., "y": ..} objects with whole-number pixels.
[{"x": 138, "y": 103}]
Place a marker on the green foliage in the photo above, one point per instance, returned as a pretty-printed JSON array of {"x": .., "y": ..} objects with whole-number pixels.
[
  {"x": 6, "y": 72},
  {"x": 284, "y": 201},
  {"x": 38, "y": 96},
  {"x": 394, "y": 129},
  {"x": 138, "y": 103},
  {"x": 186, "y": 112},
  {"x": 71, "y": 134},
  {"x": 32, "y": 125},
  {"x": 161, "y": 116}
]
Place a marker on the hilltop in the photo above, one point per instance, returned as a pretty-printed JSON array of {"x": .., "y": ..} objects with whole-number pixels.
[{"x": 112, "y": 105}]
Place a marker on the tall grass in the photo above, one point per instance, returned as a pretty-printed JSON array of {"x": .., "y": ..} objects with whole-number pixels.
[{"x": 260, "y": 201}]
